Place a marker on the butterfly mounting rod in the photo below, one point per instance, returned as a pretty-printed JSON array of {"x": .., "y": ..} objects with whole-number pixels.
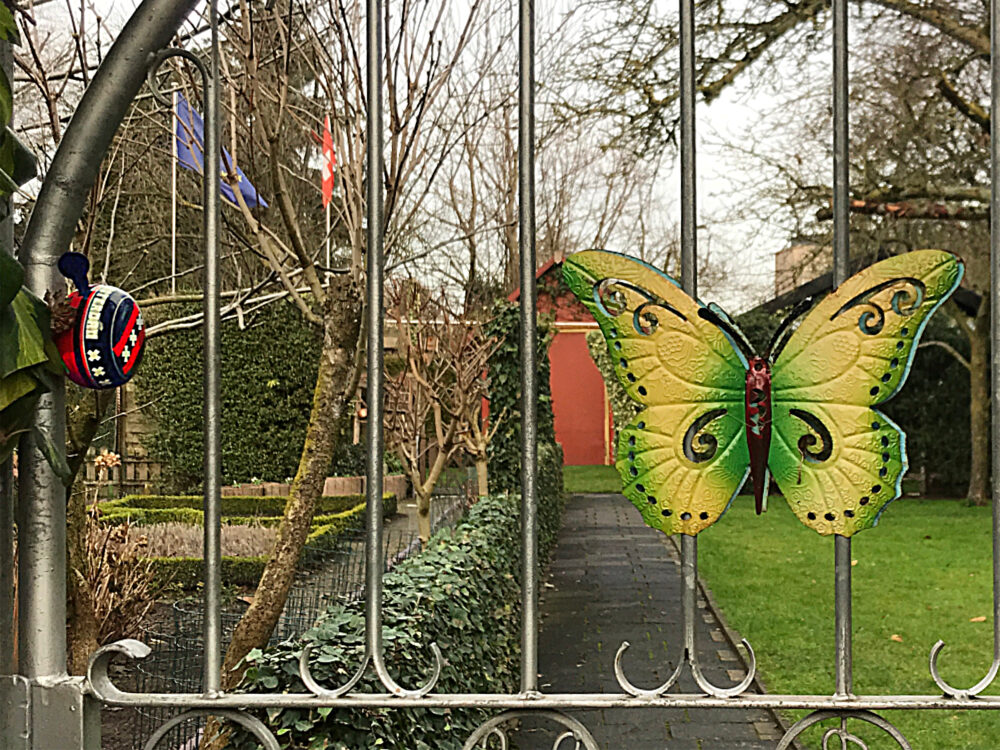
[{"x": 716, "y": 417}]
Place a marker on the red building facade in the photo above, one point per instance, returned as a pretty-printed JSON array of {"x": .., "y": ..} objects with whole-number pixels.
[{"x": 583, "y": 420}]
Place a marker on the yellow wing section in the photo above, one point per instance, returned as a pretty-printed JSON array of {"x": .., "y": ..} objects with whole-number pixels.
[
  {"x": 836, "y": 458},
  {"x": 684, "y": 456}
]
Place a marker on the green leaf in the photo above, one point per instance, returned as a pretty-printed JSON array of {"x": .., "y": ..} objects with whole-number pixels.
[
  {"x": 14, "y": 420},
  {"x": 54, "y": 454},
  {"x": 24, "y": 333},
  {"x": 25, "y": 161},
  {"x": 11, "y": 278},
  {"x": 8, "y": 26},
  {"x": 18, "y": 163},
  {"x": 15, "y": 386},
  {"x": 6, "y": 99}
]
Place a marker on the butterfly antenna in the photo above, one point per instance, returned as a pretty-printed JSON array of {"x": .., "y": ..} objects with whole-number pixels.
[
  {"x": 734, "y": 334},
  {"x": 780, "y": 337}
]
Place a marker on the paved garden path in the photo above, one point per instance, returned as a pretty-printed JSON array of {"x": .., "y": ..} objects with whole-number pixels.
[{"x": 613, "y": 579}]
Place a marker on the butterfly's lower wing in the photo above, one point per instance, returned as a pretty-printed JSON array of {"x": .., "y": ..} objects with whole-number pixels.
[
  {"x": 837, "y": 465},
  {"x": 836, "y": 458},
  {"x": 682, "y": 464},
  {"x": 684, "y": 456}
]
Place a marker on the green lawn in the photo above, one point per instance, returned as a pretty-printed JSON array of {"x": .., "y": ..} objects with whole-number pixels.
[
  {"x": 922, "y": 574},
  {"x": 591, "y": 479}
]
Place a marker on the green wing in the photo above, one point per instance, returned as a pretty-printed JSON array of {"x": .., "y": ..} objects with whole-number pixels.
[
  {"x": 836, "y": 458},
  {"x": 684, "y": 456}
]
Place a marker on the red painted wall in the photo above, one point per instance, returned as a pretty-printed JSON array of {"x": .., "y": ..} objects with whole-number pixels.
[
  {"x": 578, "y": 401},
  {"x": 582, "y": 418}
]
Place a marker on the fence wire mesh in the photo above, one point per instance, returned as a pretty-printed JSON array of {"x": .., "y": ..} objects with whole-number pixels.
[{"x": 326, "y": 577}]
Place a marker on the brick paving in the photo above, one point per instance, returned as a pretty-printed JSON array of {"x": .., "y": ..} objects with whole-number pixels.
[{"x": 613, "y": 579}]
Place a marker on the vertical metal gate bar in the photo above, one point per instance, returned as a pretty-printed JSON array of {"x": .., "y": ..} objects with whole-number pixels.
[
  {"x": 6, "y": 567},
  {"x": 689, "y": 206},
  {"x": 689, "y": 280},
  {"x": 41, "y": 523},
  {"x": 529, "y": 384},
  {"x": 841, "y": 244},
  {"x": 689, "y": 589},
  {"x": 995, "y": 310},
  {"x": 7, "y": 467},
  {"x": 376, "y": 386},
  {"x": 211, "y": 682}
]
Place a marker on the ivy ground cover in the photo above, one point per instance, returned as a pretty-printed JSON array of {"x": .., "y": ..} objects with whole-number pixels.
[
  {"x": 461, "y": 592},
  {"x": 923, "y": 574}
]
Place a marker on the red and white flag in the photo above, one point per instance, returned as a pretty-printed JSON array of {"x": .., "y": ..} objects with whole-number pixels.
[{"x": 329, "y": 161}]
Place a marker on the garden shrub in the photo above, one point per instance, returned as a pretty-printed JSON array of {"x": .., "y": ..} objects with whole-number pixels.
[
  {"x": 623, "y": 408},
  {"x": 266, "y": 399},
  {"x": 187, "y": 573},
  {"x": 461, "y": 592},
  {"x": 505, "y": 398}
]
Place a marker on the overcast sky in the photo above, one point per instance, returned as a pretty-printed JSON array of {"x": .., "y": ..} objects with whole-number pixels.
[{"x": 747, "y": 247}]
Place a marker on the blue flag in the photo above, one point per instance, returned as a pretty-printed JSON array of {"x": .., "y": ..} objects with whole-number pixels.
[{"x": 189, "y": 130}]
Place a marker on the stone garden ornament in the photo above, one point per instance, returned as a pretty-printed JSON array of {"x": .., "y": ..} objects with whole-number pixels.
[{"x": 803, "y": 412}]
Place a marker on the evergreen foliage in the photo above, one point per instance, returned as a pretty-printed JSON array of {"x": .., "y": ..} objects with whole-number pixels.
[
  {"x": 268, "y": 378},
  {"x": 505, "y": 400},
  {"x": 461, "y": 592},
  {"x": 622, "y": 407}
]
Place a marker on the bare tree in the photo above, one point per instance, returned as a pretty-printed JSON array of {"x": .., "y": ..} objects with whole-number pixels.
[
  {"x": 287, "y": 65},
  {"x": 919, "y": 125},
  {"x": 435, "y": 401}
]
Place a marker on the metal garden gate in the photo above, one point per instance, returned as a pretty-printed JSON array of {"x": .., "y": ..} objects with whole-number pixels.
[{"x": 41, "y": 708}]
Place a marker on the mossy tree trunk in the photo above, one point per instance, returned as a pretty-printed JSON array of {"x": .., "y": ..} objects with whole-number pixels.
[
  {"x": 482, "y": 476},
  {"x": 331, "y": 398}
]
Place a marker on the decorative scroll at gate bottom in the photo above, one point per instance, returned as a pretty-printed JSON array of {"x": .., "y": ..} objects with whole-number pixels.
[
  {"x": 492, "y": 734},
  {"x": 841, "y": 733},
  {"x": 251, "y": 723}
]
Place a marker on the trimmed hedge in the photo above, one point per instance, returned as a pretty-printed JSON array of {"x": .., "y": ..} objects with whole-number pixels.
[
  {"x": 187, "y": 572},
  {"x": 462, "y": 592},
  {"x": 145, "y": 510},
  {"x": 268, "y": 377}
]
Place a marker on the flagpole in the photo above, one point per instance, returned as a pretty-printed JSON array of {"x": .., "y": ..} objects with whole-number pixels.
[{"x": 173, "y": 194}]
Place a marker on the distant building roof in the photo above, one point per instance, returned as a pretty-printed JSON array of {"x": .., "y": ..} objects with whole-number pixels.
[{"x": 967, "y": 300}]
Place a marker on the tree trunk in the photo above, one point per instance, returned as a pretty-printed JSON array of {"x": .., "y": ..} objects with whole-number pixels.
[
  {"x": 482, "y": 476},
  {"x": 81, "y": 622},
  {"x": 342, "y": 321},
  {"x": 423, "y": 515},
  {"x": 979, "y": 406}
]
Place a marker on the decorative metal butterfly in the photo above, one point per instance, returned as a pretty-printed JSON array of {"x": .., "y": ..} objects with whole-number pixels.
[{"x": 804, "y": 411}]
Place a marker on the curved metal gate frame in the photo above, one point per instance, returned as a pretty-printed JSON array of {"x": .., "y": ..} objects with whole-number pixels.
[{"x": 42, "y": 708}]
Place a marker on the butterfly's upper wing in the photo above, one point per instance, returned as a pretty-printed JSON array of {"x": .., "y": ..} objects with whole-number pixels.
[
  {"x": 837, "y": 459},
  {"x": 684, "y": 456}
]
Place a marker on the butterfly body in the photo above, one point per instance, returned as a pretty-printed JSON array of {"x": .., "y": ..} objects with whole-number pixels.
[
  {"x": 805, "y": 413},
  {"x": 757, "y": 411}
]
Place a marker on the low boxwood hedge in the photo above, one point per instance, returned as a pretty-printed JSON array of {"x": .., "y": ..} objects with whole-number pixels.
[
  {"x": 147, "y": 509},
  {"x": 187, "y": 572},
  {"x": 462, "y": 592}
]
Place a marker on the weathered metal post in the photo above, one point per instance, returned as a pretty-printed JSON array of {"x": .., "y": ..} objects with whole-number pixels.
[
  {"x": 70, "y": 719},
  {"x": 6, "y": 470},
  {"x": 529, "y": 366}
]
